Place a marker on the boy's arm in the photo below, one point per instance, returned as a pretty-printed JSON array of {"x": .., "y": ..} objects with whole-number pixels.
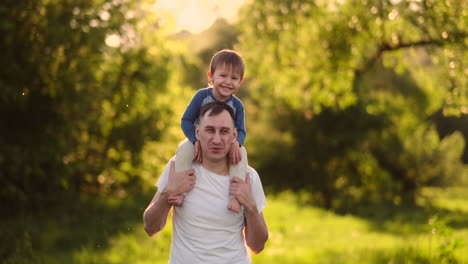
[
  {"x": 190, "y": 116},
  {"x": 234, "y": 151},
  {"x": 240, "y": 124}
]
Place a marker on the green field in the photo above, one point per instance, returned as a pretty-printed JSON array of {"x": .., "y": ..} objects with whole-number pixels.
[{"x": 90, "y": 230}]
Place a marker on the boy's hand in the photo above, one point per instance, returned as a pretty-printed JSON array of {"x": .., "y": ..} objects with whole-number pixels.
[
  {"x": 198, "y": 152},
  {"x": 234, "y": 153}
]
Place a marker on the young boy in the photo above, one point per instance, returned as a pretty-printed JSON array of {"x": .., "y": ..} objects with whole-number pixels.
[{"x": 225, "y": 76}]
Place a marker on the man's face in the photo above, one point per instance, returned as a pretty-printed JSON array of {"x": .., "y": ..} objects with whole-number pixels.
[{"x": 216, "y": 134}]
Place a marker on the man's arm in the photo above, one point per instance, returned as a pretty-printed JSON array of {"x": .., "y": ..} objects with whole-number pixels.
[
  {"x": 255, "y": 230},
  {"x": 155, "y": 215}
]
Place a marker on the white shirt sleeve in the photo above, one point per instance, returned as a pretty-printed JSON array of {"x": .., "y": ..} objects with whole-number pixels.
[
  {"x": 257, "y": 189},
  {"x": 164, "y": 178}
]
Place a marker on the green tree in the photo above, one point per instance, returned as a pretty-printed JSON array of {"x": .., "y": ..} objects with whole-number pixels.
[
  {"x": 349, "y": 88},
  {"x": 324, "y": 47},
  {"x": 85, "y": 96},
  {"x": 220, "y": 35}
]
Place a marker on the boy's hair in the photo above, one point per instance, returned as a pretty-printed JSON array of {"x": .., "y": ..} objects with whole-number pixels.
[
  {"x": 231, "y": 58},
  {"x": 216, "y": 108}
]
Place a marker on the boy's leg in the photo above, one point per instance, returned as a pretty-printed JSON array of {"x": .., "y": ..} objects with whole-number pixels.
[
  {"x": 238, "y": 170},
  {"x": 183, "y": 161},
  {"x": 184, "y": 156}
]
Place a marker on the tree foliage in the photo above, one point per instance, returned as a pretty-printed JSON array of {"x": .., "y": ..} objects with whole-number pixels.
[
  {"x": 324, "y": 46},
  {"x": 220, "y": 35},
  {"x": 88, "y": 87},
  {"x": 352, "y": 95},
  {"x": 349, "y": 88}
]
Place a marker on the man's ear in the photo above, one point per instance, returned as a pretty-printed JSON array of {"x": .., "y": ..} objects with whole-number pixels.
[
  {"x": 235, "y": 136},
  {"x": 197, "y": 130}
]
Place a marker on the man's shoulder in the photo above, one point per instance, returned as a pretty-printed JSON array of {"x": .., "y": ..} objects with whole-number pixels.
[
  {"x": 250, "y": 169},
  {"x": 196, "y": 166},
  {"x": 253, "y": 173}
]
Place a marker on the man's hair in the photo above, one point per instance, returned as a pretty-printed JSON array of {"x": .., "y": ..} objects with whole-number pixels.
[
  {"x": 215, "y": 108},
  {"x": 230, "y": 58}
]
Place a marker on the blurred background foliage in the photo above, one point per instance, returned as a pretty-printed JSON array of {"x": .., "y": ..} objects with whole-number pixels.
[
  {"x": 354, "y": 106},
  {"x": 86, "y": 96},
  {"x": 356, "y": 96},
  {"x": 353, "y": 102}
]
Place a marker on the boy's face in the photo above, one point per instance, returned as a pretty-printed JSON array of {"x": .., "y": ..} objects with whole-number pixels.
[{"x": 225, "y": 81}]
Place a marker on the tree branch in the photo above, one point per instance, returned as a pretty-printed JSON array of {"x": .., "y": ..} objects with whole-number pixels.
[{"x": 391, "y": 47}]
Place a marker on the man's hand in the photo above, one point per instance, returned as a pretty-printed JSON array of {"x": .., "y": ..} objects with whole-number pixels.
[
  {"x": 198, "y": 153},
  {"x": 179, "y": 182},
  {"x": 242, "y": 190},
  {"x": 234, "y": 153}
]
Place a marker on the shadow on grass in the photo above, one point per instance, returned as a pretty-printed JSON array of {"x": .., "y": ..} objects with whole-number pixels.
[{"x": 61, "y": 224}]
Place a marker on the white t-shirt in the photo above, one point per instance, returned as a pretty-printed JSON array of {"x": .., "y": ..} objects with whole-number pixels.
[{"x": 204, "y": 230}]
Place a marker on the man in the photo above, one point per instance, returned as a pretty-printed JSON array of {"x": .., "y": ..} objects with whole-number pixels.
[{"x": 204, "y": 231}]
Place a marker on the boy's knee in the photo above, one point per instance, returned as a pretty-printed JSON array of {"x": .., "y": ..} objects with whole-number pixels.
[
  {"x": 243, "y": 151},
  {"x": 184, "y": 156},
  {"x": 186, "y": 146}
]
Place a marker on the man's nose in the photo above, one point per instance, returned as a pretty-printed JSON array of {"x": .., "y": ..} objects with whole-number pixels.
[{"x": 216, "y": 138}]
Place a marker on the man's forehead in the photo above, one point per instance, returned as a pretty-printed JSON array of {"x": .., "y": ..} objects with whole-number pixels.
[{"x": 222, "y": 119}]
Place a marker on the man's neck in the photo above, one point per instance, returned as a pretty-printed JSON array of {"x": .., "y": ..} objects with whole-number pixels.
[{"x": 218, "y": 167}]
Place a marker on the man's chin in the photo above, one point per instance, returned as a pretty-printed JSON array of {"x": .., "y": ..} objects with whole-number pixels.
[{"x": 217, "y": 155}]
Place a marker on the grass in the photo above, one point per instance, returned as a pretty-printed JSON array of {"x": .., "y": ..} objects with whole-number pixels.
[
  {"x": 304, "y": 234},
  {"x": 80, "y": 229}
]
